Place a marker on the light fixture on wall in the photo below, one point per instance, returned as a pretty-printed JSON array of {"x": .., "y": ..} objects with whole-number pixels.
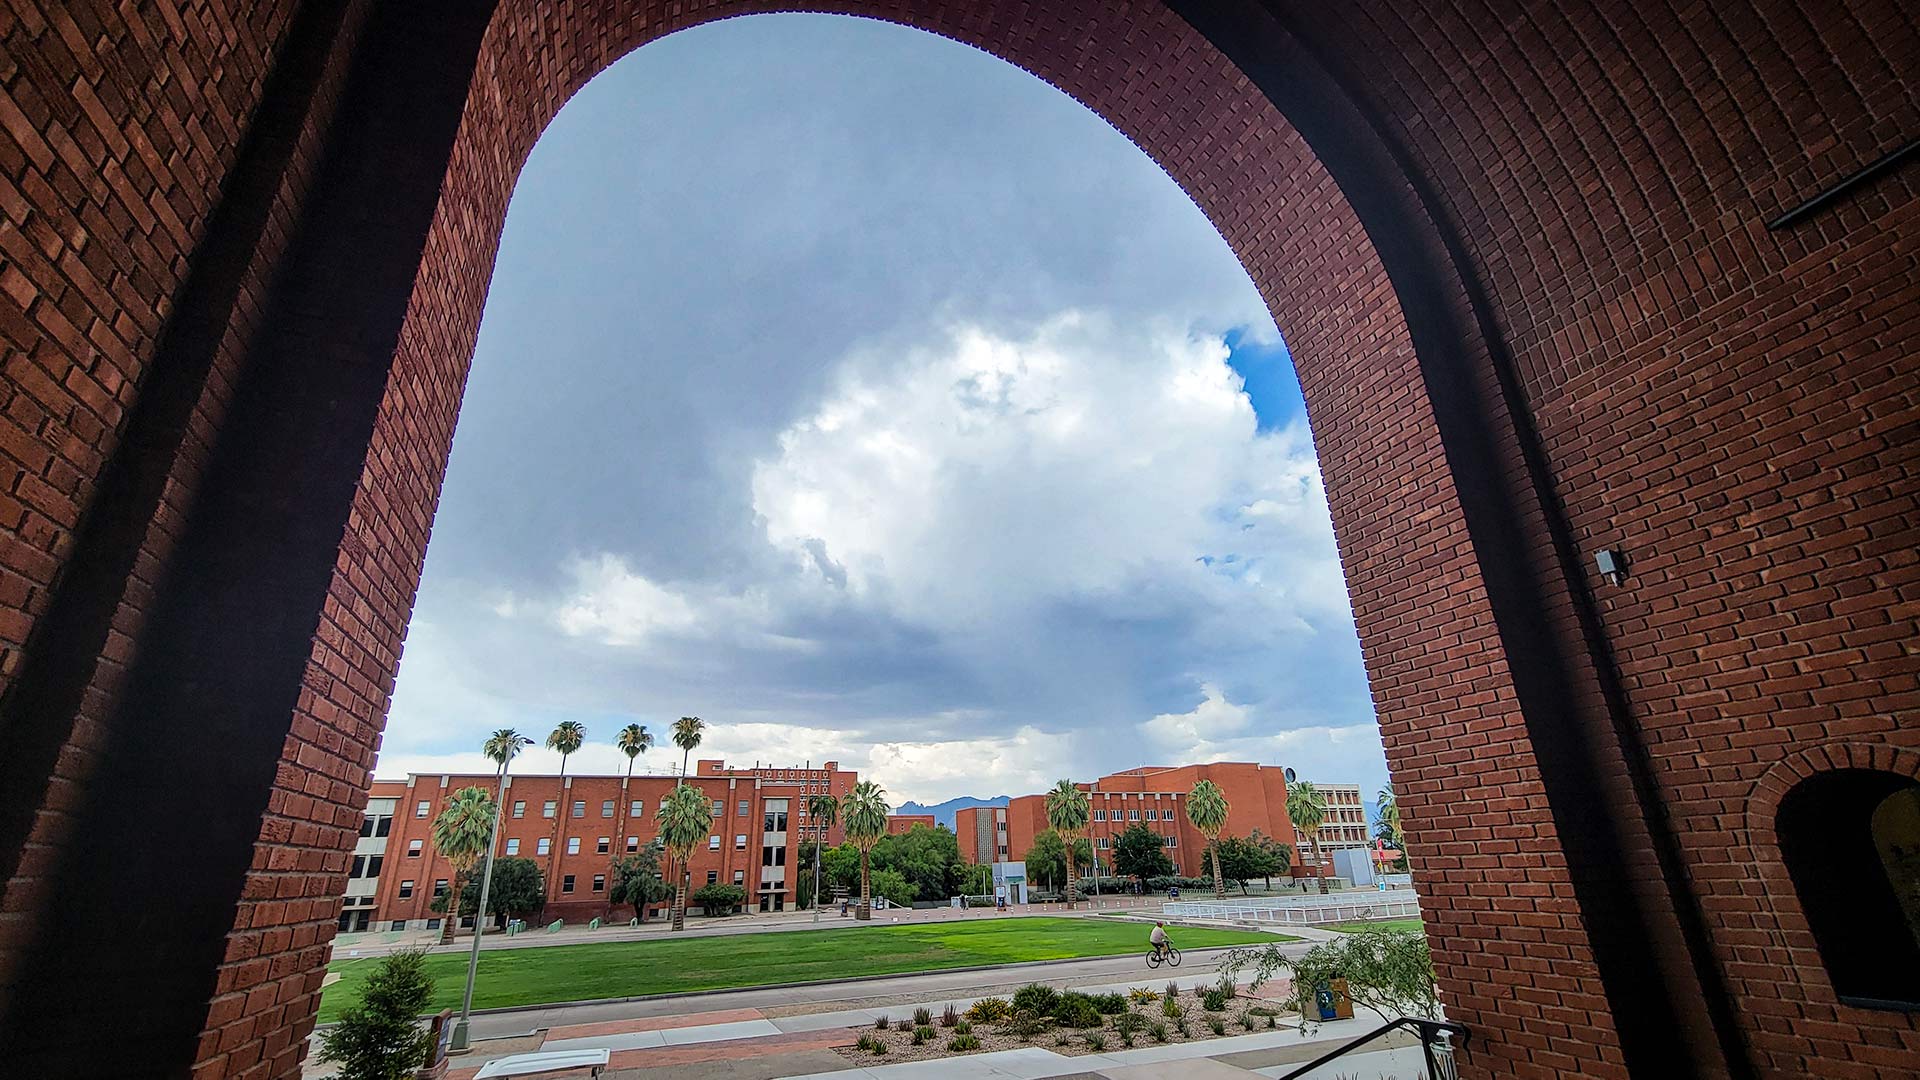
[{"x": 1611, "y": 564}]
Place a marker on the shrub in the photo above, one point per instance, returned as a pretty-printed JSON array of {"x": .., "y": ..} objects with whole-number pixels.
[
  {"x": 1110, "y": 1004},
  {"x": 963, "y": 1028},
  {"x": 1214, "y": 999},
  {"x": 921, "y": 1035},
  {"x": 719, "y": 898},
  {"x": 1171, "y": 1009},
  {"x": 1140, "y": 995},
  {"x": 1186, "y": 1030},
  {"x": 1126, "y": 1039},
  {"x": 903, "y": 1024},
  {"x": 960, "y": 1044},
  {"x": 1076, "y": 1010},
  {"x": 1246, "y": 1021},
  {"x": 1096, "y": 1041},
  {"x": 1173, "y": 991},
  {"x": 1272, "y": 1022},
  {"x": 922, "y": 1017},
  {"x": 950, "y": 1017},
  {"x": 991, "y": 1010},
  {"x": 1216, "y": 1025},
  {"x": 1158, "y": 1030},
  {"x": 1226, "y": 986},
  {"x": 870, "y": 1043},
  {"x": 1128, "y": 1023},
  {"x": 382, "y": 1036},
  {"x": 1264, "y": 1010},
  {"x": 1063, "y": 1039},
  {"x": 882, "y": 1023},
  {"x": 1036, "y": 997},
  {"x": 1026, "y": 1024}
]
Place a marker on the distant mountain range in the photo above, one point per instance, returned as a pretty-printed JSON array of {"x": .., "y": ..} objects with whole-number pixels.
[{"x": 943, "y": 812}]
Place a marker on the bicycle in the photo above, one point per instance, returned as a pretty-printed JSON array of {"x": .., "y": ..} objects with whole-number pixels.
[{"x": 1170, "y": 957}]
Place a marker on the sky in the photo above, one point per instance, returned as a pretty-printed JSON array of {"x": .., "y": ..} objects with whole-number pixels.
[{"x": 876, "y": 402}]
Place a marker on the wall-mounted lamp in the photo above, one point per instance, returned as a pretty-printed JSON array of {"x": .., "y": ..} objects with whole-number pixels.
[{"x": 1611, "y": 564}]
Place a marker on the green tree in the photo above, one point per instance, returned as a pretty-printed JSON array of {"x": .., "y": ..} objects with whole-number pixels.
[
  {"x": 382, "y": 1038},
  {"x": 927, "y": 856},
  {"x": 897, "y": 889},
  {"x": 1047, "y": 859},
  {"x": 720, "y": 898},
  {"x": 1068, "y": 813},
  {"x": 1388, "y": 827},
  {"x": 633, "y": 740},
  {"x": 460, "y": 835},
  {"x": 823, "y": 810},
  {"x": 1207, "y": 808},
  {"x": 866, "y": 813},
  {"x": 1240, "y": 860},
  {"x": 566, "y": 737},
  {"x": 1140, "y": 851},
  {"x": 1388, "y": 971},
  {"x": 519, "y": 890},
  {"x": 841, "y": 867},
  {"x": 687, "y": 733},
  {"x": 1279, "y": 854},
  {"x": 638, "y": 882},
  {"x": 1307, "y": 808},
  {"x": 685, "y": 820}
]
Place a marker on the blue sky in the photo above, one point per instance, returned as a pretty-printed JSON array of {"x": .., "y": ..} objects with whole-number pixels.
[{"x": 874, "y": 401}]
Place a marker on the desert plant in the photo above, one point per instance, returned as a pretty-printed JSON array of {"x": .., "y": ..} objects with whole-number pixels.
[
  {"x": 1158, "y": 1030},
  {"x": 1096, "y": 1041},
  {"x": 903, "y": 1024},
  {"x": 1036, "y": 997},
  {"x": 866, "y": 1042},
  {"x": 991, "y": 1010},
  {"x": 960, "y": 1044},
  {"x": 1186, "y": 1029},
  {"x": 882, "y": 1023},
  {"x": 1063, "y": 1039},
  {"x": 950, "y": 1016},
  {"x": 1075, "y": 1009},
  {"x": 921, "y": 1035},
  {"x": 1140, "y": 995},
  {"x": 1171, "y": 1009},
  {"x": 1246, "y": 1021},
  {"x": 1027, "y": 1023},
  {"x": 1272, "y": 1022},
  {"x": 923, "y": 1017},
  {"x": 963, "y": 1028},
  {"x": 1172, "y": 991},
  {"x": 1127, "y": 1023},
  {"x": 1213, "y": 999},
  {"x": 1263, "y": 1010},
  {"x": 1126, "y": 1039},
  {"x": 1216, "y": 1025},
  {"x": 381, "y": 1038},
  {"x": 1110, "y": 1004}
]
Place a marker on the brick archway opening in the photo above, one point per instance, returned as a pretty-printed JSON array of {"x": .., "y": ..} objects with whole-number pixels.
[{"x": 1507, "y": 284}]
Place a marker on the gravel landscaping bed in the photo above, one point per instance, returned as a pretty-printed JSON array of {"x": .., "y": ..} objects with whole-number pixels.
[{"x": 1104, "y": 1024}]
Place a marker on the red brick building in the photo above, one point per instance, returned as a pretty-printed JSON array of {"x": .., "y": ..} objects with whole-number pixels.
[
  {"x": 902, "y": 823},
  {"x": 1153, "y": 796},
  {"x": 577, "y": 831},
  {"x": 1560, "y": 281}
]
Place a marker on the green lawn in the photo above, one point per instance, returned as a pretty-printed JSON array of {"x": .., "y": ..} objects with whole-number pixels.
[
  {"x": 1378, "y": 924},
  {"x": 537, "y": 975}
]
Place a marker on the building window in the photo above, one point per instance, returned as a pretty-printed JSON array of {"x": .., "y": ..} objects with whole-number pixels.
[
  {"x": 606, "y": 808},
  {"x": 1133, "y": 815},
  {"x": 549, "y": 808},
  {"x": 513, "y": 845},
  {"x": 713, "y": 876},
  {"x": 599, "y": 883},
  {"x": 573, "y": 845},
  {"x": 603, "y": 845},
  {"x": 1851, "y": 842},
  {"x": 566, "y": 883},
  {"x": 433, "y": 924},
  {"x": 579, "y": 808},
  {"x": 636, "y": 808},
  {"x": 740, "y": 841},
  {"x": 719, "y": 807},
  {"x": 743, "y": 808},
  {"x": 739, "y": 877},
  {"x": 413, "y": 848},
  {"x": 1099, "y": 815},
  {"x": 406, "y": 890},
  {"x": 1003, "y": 851},
  {"x": 1171, "y": 841},
  {"x": 633, "y": 844},
  {"x": 1102, "y": 843},
  {"x": 359, "y": 864},
  {"x": 519, "y": 808},
  {"x": 773, "y": 856},
  {"x": 373, "y": 865},
  {"x": 421, "y": 810},
  {"x": 713, "y": 843},
  {"x": 543, "y": 846},
  {"x": 440, "y": 888},
  {"x": 398, "y": 925}
]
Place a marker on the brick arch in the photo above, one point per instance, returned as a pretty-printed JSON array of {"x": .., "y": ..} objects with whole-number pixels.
[{"x": 1521, "y": 256}]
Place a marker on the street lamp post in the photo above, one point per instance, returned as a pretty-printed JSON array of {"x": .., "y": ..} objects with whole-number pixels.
[{"x": 460, "y": 1029}]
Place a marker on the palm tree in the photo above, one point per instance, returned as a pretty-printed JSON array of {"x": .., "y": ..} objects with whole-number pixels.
[
  {"x": 1067, "y": 812},
  {"x": 687, "y": 732},
  {"x": 566, "y": 737},
  {"x": 633, "y": 740},
  {"x": 460, "y": 835},
  {"x": 1390, "y": 819},
  {"x": 1308, "y": 809},
  {"x": 1207, "y": 809},
  {"x": 685, "y": 819},
  {"x": 825, "y": 811},
  {"x": 865, "y": 814},
  {"x": 501, "y": 748}
]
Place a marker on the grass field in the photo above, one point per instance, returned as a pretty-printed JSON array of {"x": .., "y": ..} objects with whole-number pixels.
[
  {"x": 1381, "y": 924},
  {"x": 537, "y": 975}
]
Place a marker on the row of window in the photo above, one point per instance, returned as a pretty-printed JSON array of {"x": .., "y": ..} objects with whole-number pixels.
[
  {"x": 1134, "y": 815},
  {"x": 1103, "y": 843},
  {"x": 441, "y": 886},
  {"x": 636, "y": 808}
]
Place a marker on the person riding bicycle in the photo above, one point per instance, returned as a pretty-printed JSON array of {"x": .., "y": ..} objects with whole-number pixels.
[{"x": 1158, "y": 939}]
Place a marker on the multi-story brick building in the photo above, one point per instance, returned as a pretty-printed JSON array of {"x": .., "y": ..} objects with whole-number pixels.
[
  {"x": 1345, "y": 823},
  {"x": 904, "y": 823},
  {"x": 1154, "y": 796},
  {"x": 578, "y": 828}
]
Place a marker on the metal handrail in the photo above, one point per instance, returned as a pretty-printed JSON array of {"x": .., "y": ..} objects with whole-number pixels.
[{"x": 1429, "y": 1031}]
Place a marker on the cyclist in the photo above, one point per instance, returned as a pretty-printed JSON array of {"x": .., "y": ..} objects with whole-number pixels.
[{"x": 1158, "y": 939}]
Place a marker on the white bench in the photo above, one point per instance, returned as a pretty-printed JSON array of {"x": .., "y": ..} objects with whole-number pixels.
[{"x": 549, "y": 1062}]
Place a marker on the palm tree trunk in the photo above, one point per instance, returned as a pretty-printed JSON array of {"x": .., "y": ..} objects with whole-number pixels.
[
  {"x": 1072, "y": 878},
  {"x": 865, "y": 911},
  {"x": 1319, "y": 870},
  {"x": 680, "y": 897},
  {"x": 619, "y": 846},
  {"x": 1219, "y": 886},
  {"x": 559, "y": 826},
  {"x": 453, "y": 909}
]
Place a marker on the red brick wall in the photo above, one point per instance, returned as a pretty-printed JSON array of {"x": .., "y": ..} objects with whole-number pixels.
[{"x": 1534, "y": 309}]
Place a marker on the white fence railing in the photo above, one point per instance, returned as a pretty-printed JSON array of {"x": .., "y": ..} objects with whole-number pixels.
[{"x": 1302, "y": 910}]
